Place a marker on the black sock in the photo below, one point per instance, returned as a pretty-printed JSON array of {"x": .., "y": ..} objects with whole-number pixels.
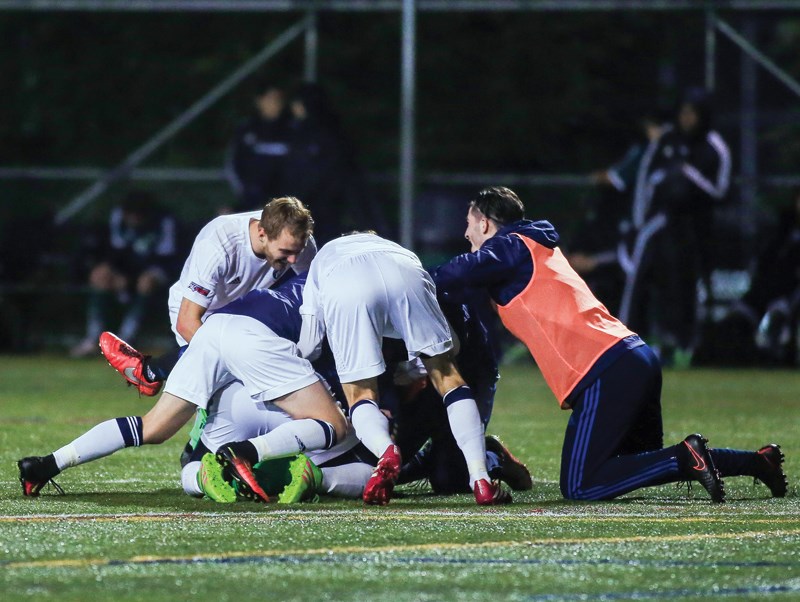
[
  {"x": 245, "y": 450},
  {"x": 48, "y": 467},
  {"x": 158, "y": 368}
]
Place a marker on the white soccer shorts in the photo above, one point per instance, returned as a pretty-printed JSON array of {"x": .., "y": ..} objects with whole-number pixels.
[
  {"x": 375, "y": 296},
  {"x": 230, "y": 347}
]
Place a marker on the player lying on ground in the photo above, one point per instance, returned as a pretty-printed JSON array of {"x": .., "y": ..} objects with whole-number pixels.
[
  {"x": 231, "y": 256},
  {"x": 341, "y": 471},
  {"x": 360, "y": 289},
  {"x": 250, "y": 340},
  {"x": 422, "y": 432},
  {"x": 420, "y": 426},
  {"x": 593, "y": 363}
]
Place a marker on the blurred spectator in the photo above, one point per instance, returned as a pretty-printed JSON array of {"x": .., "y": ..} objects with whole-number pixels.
[
  {"x": 668, "y": 242},
  {"x": 621, "y": 176},
  {"x": 321, "y": 168},
  {"x": 137, "y": 260},
  {"x": 256, "y": 158},
  {"x": 593, "y": 250},
  {"x": 771, "y": 307}
]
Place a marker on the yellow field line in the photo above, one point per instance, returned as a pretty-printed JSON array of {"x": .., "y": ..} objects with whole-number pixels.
[{"x": 264, "y": 554}]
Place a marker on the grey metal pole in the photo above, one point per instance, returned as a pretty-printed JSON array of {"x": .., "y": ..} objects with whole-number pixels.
[
  {"x": 407, "y": 92},
  {"x": 311, "y": 47},
  {"x": 748, "y": 124},
  {"x": 711, "y": 49},
  {"x": 177, "y": 124},
  {"x": 759, "y": 56}
]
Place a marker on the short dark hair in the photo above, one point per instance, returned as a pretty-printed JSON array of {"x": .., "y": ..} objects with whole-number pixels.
[
  {"x": 499, "y": 204},
  {"x": 286, "y": 212}
]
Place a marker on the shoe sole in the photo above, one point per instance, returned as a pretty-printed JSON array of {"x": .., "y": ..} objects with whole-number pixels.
[
  {"x": 519, "y": 477},
  {"x": 110, "y": 346},
  {"x": 243, "y": 474},
  {"x": 213, "y": 485},
  {"x": 780, "y": 483}
]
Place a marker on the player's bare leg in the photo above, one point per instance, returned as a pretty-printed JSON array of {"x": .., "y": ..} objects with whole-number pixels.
[{"x": 165, "y": 419}]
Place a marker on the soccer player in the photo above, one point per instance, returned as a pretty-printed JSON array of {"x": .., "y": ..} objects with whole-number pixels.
[
  {"x": 593, "y": 363},
  {"x": 232, "y": 255},
  {"x": 362, "y": 288},
  {"x": 251, "y": 340},
  {"x": 419, "y": 419},
  {"x": 341, "y": 471}
]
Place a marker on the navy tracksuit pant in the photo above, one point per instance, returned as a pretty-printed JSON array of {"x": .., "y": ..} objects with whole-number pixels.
[{"x": 614, "y": 437}]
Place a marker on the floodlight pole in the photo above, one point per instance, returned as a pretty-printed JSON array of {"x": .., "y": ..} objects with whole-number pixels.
[
  {"x": 711, "y": 49},
  {"x": 407, "y": 93},
  {"x": 311, "y": 47}
]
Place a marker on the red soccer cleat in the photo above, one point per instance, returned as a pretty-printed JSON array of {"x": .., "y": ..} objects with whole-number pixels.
[
  {"x": 380, "y": 486},
  {"x": 240, "y": 470},
  {"x": 490, "y": 493},
  {"x": 128, "y": 362}
]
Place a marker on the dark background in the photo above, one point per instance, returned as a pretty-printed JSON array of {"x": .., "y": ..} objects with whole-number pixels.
[{"x": 497, "y": 92}]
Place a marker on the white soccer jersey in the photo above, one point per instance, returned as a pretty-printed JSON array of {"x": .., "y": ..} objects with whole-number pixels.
[
  {"x": 222, "y": 266},
  {"x": 361, "y": 288}
]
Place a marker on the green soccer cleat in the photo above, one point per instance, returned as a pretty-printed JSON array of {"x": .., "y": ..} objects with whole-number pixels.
[
  {"x": 306, "y": 479},
  {"x": 212, "y": 482}
]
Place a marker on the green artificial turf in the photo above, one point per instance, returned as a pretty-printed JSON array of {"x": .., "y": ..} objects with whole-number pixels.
[{"x": 126, "y": 531}]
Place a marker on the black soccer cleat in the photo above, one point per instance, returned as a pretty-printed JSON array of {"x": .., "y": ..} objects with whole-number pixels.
[
  {"x": 511, "y": 470},
  {"x": 239, "y": 469},
  {"x": 769, "y": 469},
  {"x": 699, "y": 466},
  {"x": 35, "y": 472}
]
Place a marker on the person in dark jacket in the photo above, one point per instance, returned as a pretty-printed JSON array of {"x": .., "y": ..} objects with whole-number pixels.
[
  {"x": 666, "y": 250},
  {"x": 321, "y": 167},
  {"x": 596, "y": 367},
  {"x": 137, "y": 260},
  {"x": 256, "y": 159}
]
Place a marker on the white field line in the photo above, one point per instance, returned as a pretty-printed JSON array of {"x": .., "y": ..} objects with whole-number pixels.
[{"x": 312, "y": 513}]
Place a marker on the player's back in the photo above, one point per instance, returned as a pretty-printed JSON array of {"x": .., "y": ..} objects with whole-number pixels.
[{"x": 346, "y": 247}]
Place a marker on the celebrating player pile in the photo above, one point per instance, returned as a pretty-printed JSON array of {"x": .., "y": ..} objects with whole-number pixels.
[{"x": 256, "y": 360}]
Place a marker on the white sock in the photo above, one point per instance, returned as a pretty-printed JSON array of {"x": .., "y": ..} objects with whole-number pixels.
[
  {"x": 467, "y": 428},
  {"x": 347, "y": 480},
  {"x": 101, "y": 440},
  {"x": 189, "y": 479},
  {"x": 371, "y": 426},
  {"x": 294, "y": 437}
]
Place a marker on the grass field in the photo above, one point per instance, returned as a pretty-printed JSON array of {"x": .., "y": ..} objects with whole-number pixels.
[{"x": 126, "y": 531}]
